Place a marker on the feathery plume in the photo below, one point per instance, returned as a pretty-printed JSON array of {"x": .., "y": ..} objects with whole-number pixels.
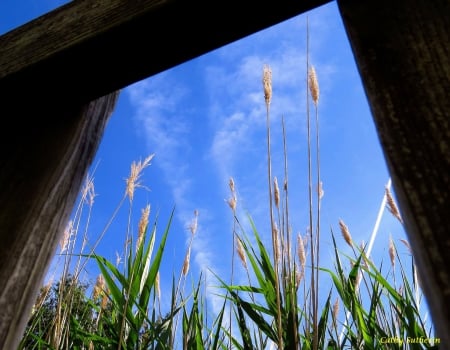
[
  {"x": 392, "y": 206},
  {"x": 406, "y": 243},
  {"x": 142, "y": 226},
  {"x": 232, "y": 203},
  {"x": 135, "y": 174},
  {"x": 276, "y": 192},
  {"x": 320, "y": 190},
  {"x": 231, "y": 184},
  {"x": 267, "y": 84},
  {"x": 41, "y": 297},
  {"x": 301, "y": 251},
  {"x": 157, "y": 286},
  {"x": 345, "y": 233},
  {"x": 194, "y": 224},
  {"x": 275, "y": 233},
  {"x": 99, "y": 287},
  {"x": 313, "y": 85},
  {"x": 187, "y": 261},
  {"x": 391, "y": 251},
  {"x": 105, "y": 299},
  {"x": 335, "y": 312},
  {"x": 88, "y": 192},
  {"x": 298, "y": 276},
  {"x": 241, "y": 252},
  {"x": 65, "y": 239}
]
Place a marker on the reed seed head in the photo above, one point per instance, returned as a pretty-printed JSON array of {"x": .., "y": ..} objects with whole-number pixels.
[
  {"x": 391, "y": 251},
  {"x": 267, "y": 84},
  {"x": 406, "y": 243},
  {"x": 157, "y": 286},
  {"x": 135, "y": 173},
  {"x": 88, "y": 191},
  {"x": 194, "y": 224},
  {"x": 276, "y": 242},
  {"x": 241, "y": 252},
  {"x": 43, "y": 293},
  {"x": 65, "y": 239},
  {"x": 320, "y": 191},
  {"x": 392, "y": 206},
  {"x": 231, "y": 184},
  {"x": 187, "y": 262},
  {"x": 345, "y": 233},
  {"x": 99, "y": 287},
  {"x": 105, "y": 299},
  {"x": 298, "y": 277},
  {"x": 301, "y": 251},
  {"x": 232, "y": 201},
  {"x": 276, "y": 192},
  {"x": 313, "y": 85},
  {"x": 335, "y": 312},
  {"x": 142, "y": 226}
]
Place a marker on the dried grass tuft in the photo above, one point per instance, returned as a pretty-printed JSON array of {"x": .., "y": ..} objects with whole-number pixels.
[
  {"x": 391, "y": 251},
  {"x": 241, "y": 252},
  {"x": 231, "y": 184},
  {"x": 99, "y": 287},
  {"x": 301, "y": 251},
  {"x": 267, "y": 84},
  {"x": 194, "y": 224},
  {"x": 335, "y": 312},
  {"x": 187, "y": 262},
  {"x": 157, "y": 286},
  {"x": 392, "y": 206},
  {"x": 135, "y": 174},
  {"x": 313, "y": 85},
  {"x": 65, "y": 239},
  {"x": 345, "y": 233},
  {"x": 142, "y": 226},
  {"x": 320, "y": 190},
  {"x": 406, "y": 243},
  {"x": 276, "y": 236},
  {"x": 276, "y": 192}
]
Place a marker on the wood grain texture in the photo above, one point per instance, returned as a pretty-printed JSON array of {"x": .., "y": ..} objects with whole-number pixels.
[
  {"x": 43, "y": 165},
  {"x": 107, "y": 45},
  {"x": 402, "y": 50}
]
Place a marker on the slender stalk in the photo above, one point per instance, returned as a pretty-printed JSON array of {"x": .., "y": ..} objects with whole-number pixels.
[
  {"x": 313, "y": 296},
  {"x": 369, "y": 250},
  {"x": 267, "y": 83},
  {"x": 319, "y": 190},
  {"x": 291, "y": 262}
]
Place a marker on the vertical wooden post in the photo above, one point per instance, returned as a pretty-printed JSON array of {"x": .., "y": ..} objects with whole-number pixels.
[
  {"x": 46, "y": 149},
  {"x": 402, "y": 51}
]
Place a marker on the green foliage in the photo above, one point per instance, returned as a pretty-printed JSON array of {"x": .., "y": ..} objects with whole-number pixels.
[{"x": 63, "y": 314}]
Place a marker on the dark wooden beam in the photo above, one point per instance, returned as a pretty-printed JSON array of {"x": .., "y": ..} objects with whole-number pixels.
[
  {"x": 42, "y": 168},
  {"x": 402, "y": 49},
  {"x": 50, "y": 71},
  {"x": 104, "y": 46}
]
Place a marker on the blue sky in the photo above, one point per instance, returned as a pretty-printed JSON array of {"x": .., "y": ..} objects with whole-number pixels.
[{"x": 205, "y": 121}]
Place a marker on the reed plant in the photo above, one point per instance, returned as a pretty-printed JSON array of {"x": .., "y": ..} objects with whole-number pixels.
[{"x": 368, "y": 306}]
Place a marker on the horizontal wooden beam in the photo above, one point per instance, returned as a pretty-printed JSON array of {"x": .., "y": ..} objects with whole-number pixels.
[
  {"x": 402, "y": 52},
  {"x": 87, "y": 49}
]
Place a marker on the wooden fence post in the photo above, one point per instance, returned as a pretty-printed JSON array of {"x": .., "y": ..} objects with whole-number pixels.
[
  {"x": 46, "y": 149},
  {"x": 401, "y": 48}
]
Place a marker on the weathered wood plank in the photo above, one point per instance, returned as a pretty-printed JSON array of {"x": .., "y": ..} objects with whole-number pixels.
[
  {"x": 107, "y": 45},
  {"x": 402, "y": 49},
  {"x": 41, "y": 171}
]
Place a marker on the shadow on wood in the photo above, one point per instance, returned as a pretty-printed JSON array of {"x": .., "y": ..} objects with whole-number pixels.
[
  {"x": 402, "y": 52},
  {"x": 44, "y": 161}
]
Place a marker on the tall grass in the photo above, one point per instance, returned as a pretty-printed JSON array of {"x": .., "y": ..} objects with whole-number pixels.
[{"x": 369, "y": 306}]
